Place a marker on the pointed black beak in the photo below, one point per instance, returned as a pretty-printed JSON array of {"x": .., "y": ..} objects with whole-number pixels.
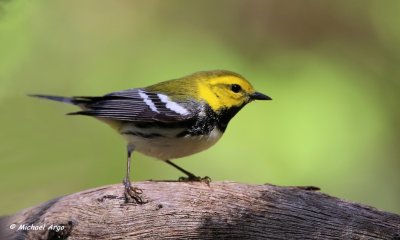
[{"x": 259, "y": 96}]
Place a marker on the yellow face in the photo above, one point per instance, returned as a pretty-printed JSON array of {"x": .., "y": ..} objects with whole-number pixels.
[
  {"x": 219, "y": 88},
  {"x": 225, "y": 91}
]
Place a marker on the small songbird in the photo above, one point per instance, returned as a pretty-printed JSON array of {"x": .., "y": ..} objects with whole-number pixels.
[{"x": 171, "y": 119}]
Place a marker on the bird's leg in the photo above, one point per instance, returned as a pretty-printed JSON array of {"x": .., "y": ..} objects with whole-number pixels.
[
  {"x": 131, "y": 193},
  {"x": 190, "y": 176}
]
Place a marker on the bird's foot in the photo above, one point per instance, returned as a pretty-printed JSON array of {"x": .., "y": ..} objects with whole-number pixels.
[
  {"x": 193, "y": 178},
  {"x": 132, "y": 194}
]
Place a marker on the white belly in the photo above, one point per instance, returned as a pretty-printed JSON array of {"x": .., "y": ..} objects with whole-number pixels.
[{"x": 170, "y": 147}]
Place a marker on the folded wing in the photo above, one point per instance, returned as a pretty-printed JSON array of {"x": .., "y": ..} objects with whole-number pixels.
[{"x": 136, "y": 105}]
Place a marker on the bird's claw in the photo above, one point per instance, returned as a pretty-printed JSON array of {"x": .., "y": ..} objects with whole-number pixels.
[{"x": 133, "y": 194}]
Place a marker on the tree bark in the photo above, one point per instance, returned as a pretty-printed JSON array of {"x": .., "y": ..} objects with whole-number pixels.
[{"x": 222, "y": 210}]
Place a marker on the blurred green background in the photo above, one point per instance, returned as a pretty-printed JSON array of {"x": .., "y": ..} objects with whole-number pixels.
[{"x": 332, "y": 68}]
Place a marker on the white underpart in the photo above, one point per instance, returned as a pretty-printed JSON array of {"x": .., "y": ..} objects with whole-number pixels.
[
  {"x": 173, "y": 105},
  {"x": 148, "y": 101},
  {"x": 170, "y": 147}
]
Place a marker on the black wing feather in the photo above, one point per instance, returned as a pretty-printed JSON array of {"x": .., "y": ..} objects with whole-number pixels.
[{"x": 128, "y": 105}]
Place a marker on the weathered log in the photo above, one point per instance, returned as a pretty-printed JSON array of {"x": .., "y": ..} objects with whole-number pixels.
[{"x": 222, "y": 210}]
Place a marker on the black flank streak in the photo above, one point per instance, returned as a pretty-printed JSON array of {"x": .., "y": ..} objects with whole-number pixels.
[
  {"x": 143, "y": 135},
  {"x": 181, "y": 124}
]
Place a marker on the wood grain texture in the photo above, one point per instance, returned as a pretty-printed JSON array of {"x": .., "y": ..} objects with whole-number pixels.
[{"x": 223, "y": 210}]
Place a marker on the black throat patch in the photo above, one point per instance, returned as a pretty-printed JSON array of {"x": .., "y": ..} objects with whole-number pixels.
[
  {"x": 205, "y": 124},
  {"x": 225, "y": 115}
]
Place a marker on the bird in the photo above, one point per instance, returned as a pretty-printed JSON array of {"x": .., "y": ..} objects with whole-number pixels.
[{"x": 170, "y": 119}]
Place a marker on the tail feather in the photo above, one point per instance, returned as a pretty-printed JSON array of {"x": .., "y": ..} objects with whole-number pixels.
[
  {"x": 84, "y": 103},
  {"x": 68, "y": 100},
  {"x": 81, "y": 102}
]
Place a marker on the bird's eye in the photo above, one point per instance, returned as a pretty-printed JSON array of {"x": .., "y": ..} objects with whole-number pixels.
[{"x": 236, "y": 88}]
